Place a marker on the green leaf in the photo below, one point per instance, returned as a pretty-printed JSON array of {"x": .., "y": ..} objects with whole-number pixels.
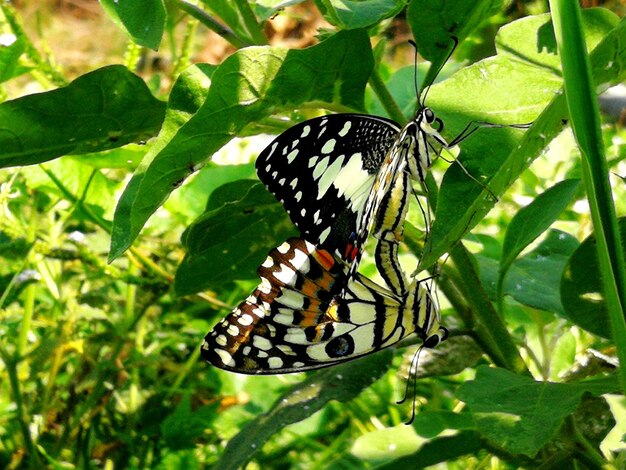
[
  {"x": 582, "y": 292},
  {"x": 503, "y": 90},
  {"x": 341, "y": 383},
  {"x": 265, "y": 9},
  {"x": 144, "y": 21},
  {"x": 190, "y": 201},
  {"x": 531, "y": 221},
  {"x": 103, "y": 109},
  {"x": 250, "y": 85},
  {"x": 183, "y": 426},
  {"x": 382, "y": 445},
  {"x": 562, "y": 355},
  {"x": 434, "y": 23},
  {"x": 519, "y": 414},
  {"x": 239, "y": 17},
  {"x": 429, "y": 424},
  {"x": 10, "y": 66},
  {"x": 350, "y": 14},
  {"x": 231, "y": 239},
  {"x": 438, "y": 451},
  {"x": 535, "y": 279}
]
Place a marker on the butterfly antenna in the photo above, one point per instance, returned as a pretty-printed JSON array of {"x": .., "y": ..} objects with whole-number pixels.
[
  {"x": 412, "y": 381},
  {"x": 415, "y": 84},
  {"x": 455, "y": 41}
]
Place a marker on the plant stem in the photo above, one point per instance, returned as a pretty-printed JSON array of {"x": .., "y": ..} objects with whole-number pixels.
[
  {"x": 585, "y": 119},
  {"x": 390, "y": 105},
  {"x": 208, "y": 21},
  {"x": 11, "y": 367},
  {"x": 488, "y": 324}
]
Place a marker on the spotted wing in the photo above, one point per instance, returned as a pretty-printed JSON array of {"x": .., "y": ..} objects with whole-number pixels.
[
  {"x": 294, "y": 320},
  {"x": 323, "y": 170}
]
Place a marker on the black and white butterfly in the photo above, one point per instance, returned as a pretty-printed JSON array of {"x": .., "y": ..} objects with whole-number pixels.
[
  {"x": 295, "y": 320},
  {"x": 343, "y": 176}
]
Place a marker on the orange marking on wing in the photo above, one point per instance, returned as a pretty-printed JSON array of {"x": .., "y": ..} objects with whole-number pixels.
[
  {"x": 325, "y": 259},
  {"x": 351, "y": 252},
  {"x": 309, "y": 289}
]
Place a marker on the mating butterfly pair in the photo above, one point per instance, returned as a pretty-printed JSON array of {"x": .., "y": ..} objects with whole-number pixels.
[{"x": 339, "y": 178}]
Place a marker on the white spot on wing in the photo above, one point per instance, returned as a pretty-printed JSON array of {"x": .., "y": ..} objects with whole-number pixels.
[
  {"x": 305, "y": 131},
  {"x": 329, "y": 176},
  {"x": 272, "y": 148},
  {"x": 344, "y": 130},
  {"x": 320, "y": 168},
  {"x": 300, "y": 261},
  {"x": 226, "y": 358},
  {"x": 275, "y": 362},
  {"x": 294, "y": 183},
  {"x": 329, "y": 146},
  {"x": 286, "y": 275},
  {"x": 298, "y": 196},
  {"x": 292, "y": 155},
  {"x": 261, "y": 343},
  {"x": 324, "y": 235},
  {"x": 221, "y": 340}
]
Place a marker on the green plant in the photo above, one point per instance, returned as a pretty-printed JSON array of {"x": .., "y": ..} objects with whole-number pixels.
[{"x": 101, "y": 360}]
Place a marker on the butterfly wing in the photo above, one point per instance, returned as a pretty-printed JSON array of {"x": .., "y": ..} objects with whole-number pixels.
[
  {"x": 294, "y": 320},
  {"x": 323, "y": 170}
]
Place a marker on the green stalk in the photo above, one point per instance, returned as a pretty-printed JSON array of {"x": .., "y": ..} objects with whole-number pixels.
[
  {"x": 208, "y": 21},
  {"x": 585, "y": 120},
  {"x": 20, "y": 412},
  {"x": 390, "y": 105},
  {"x": 489, "y": 327}
]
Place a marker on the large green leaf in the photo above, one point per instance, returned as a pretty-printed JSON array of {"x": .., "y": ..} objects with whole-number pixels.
[
  {"x": 250, "y": 85},
  {"x": 531, "y": 221},
  {"x": 144, "y": 21},
  {"x": 239, "y": 17},
  {"x": 508, "y": 89},
  {"x": 435, "y": 23},
  {"x": 350, "y": 14},
  {"x": 103, "y": 109},
  {"x": 535, "y": 278},
  {"x": 341, "y": 383},
  {"x": 582, "y": 292},
  {"x": 519, "y": 414},
  {"x": 439, "y": 451},
  {"x": 382, "y": 445},
  {"x": 232, "y": 238}
]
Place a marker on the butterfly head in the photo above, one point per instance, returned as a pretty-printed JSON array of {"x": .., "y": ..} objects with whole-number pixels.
[{"x": 420, "y": 134}]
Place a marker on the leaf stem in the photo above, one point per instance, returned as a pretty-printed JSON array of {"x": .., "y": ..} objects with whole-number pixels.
[
  {"x": 211, "y": 23},
  {"x": 390, "y": 105}
]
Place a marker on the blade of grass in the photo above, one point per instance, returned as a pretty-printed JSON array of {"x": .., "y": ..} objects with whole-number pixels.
[{"x": 585, "y": 120}]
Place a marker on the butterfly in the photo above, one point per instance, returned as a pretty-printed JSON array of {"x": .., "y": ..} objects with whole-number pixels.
[
  {"x": 343, "y": 176},
  {"x": 295, "y": 320}
]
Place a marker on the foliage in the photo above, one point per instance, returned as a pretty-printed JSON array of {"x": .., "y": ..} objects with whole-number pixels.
[{"x": 99, "y": 362}]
